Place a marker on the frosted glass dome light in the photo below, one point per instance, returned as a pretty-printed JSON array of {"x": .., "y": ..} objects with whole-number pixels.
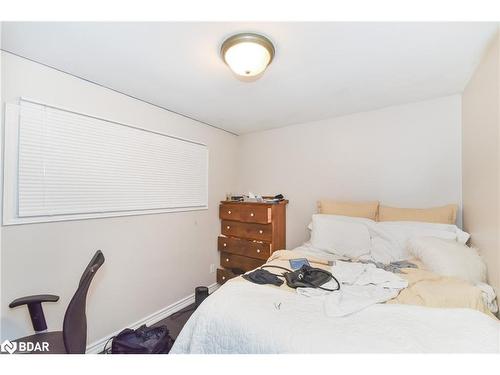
[{"x": 248, "y": 55}]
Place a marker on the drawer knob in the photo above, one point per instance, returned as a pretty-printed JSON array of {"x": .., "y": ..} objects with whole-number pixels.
[
  {"x": 223, "y": 277},
  {"x": 228, "y": 227},
  {"x": 229, "y": 212},
  {"x": 225, "y": 244},
  {"x": 227, "y": 259},
  {"x": 252, "y": 214},
  {"x": 258, "y": 250},
  {"x": 261, "y": 231}
]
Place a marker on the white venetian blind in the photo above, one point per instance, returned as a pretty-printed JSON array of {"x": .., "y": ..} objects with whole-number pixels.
[{"x": 70, "y": 164}]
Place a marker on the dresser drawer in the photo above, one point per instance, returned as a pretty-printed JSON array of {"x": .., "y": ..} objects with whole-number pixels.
[
  {"x": 224, "y": 275},
  {"x": 239, "y": 262},
  {"x": 252, "y": 249},
  {"x": 251, "y": 231},
  {"x": 246, "y": 213}
]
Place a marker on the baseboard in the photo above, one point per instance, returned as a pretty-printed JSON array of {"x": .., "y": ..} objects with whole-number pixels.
[{"x": 98, "y": 346}]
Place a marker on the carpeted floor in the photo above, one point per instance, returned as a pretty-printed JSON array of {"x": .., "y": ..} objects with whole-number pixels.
[{"x": 176, "y": 321}]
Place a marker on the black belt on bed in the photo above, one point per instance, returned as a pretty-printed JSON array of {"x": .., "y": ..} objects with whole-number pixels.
[{"x": 260, "y": 276}]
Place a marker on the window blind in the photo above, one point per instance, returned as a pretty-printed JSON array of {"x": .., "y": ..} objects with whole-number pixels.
[{"x": 73, "y": 164}]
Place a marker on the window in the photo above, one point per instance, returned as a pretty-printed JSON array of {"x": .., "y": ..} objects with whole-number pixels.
[{"x": 73, "y": 166}]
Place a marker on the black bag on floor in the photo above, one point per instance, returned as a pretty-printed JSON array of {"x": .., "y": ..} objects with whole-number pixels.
[{"x": 143, "y": 340}]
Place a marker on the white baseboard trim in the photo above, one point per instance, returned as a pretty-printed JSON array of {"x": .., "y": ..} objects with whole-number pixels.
[{"x": 98, "y": 346}]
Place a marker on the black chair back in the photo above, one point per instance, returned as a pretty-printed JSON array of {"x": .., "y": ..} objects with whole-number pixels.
[{"x": 75, "y": 319}]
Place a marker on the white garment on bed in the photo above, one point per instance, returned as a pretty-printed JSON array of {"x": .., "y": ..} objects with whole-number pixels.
[
  {"x": 348, "y": 272},
  {"x": 362, "y": 285},
  {"x": 379, "y": 277},
  {"x": 356, "y": 273},
  {"x": 353, "y": 298}
]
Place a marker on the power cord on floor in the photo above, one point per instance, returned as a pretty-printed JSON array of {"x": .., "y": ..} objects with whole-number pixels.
[{"x": 107, "y": 350}]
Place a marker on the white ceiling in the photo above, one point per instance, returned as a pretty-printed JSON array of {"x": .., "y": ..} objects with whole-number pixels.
[{"x": 320, "y": 70}]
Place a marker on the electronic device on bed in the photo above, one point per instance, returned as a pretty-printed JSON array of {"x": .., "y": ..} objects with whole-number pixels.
[
  {"x": 305, "y": 277},
  {"x": 296, "y": 264},
  {"x": 310, "y": 277}
]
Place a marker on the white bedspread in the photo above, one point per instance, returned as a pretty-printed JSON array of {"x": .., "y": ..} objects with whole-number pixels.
[{"x": 242, "y": 317}]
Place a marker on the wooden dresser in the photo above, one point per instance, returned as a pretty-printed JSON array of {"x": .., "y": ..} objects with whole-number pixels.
[{"x": 250, "y": 233}]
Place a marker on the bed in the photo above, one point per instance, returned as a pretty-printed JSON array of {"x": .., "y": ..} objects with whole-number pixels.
[{"x": 432, "y": 313}]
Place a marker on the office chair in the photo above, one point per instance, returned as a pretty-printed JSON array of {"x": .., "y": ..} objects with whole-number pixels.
[{"x": 73, "y": 338}]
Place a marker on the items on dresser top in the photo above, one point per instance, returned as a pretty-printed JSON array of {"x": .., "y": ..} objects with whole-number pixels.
[
  {"x": 251, "y": 197},
  {"x": 250, "y": 233}
]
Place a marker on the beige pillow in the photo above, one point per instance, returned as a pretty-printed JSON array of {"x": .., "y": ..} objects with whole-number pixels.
[
  {"x": 354, "y": 209},
  {"x": 444, "y": 215}
]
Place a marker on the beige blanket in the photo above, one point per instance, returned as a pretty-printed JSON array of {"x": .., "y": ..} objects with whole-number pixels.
[
  {"x": 424, "y": 288},
  {"x": 428, "y": 289}
]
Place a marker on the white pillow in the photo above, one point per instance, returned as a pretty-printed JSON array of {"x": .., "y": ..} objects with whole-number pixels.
[
  {"x": 449, "y": 258},
  {"x": 417, "y": 228},
  {"x": 390, "y": 238},
  {"x": 341, "y": 235}
]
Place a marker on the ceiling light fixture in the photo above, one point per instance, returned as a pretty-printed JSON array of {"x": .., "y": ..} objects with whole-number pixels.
[{"x": 247, "y": 54}]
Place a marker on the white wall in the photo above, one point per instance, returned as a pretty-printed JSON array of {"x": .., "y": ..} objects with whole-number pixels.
[
  {"x": 481, "y": 163},
  {"x": 407, "y": 156},
  {"x": 152, "y": 261}
]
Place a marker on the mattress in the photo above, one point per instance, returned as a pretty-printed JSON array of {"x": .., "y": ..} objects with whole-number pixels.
[{"x": 242, "y": 317}]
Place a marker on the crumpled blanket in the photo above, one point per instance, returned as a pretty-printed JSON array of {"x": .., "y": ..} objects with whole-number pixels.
[
  {"x": 424, "y": 287},
  {"x": 394, "y": 267},
  {"x": 362, "y": 285},
  {"x": 431, "y": 290}
]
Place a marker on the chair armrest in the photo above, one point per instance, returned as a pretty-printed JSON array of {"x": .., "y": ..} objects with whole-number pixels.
[
  {"x": 35, "y": 308},
  {"x": 39, "y": 298}
]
